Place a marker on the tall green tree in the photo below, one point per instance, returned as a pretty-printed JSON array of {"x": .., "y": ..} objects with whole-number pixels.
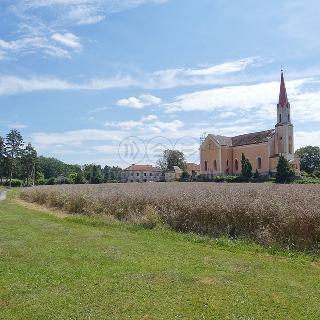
[
  {"x": 170, "y": 159},
  {"x": 246, "y": 170},
  {"x": 28, "y": 161},
  {"x": 13, "y": 147},
  {"x": 111, "y": 174},
  {"x": 2, "y": 158},
  {"x": 285, "y": 172},
  {"x": 309, "y": 158},
  {"x": 95, "y": 174}
]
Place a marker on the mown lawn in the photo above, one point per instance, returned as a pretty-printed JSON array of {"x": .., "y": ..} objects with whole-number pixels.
[{"x": 88, "y": 268}]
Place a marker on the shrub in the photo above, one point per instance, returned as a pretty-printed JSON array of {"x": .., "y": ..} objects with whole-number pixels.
[
  {"x": 218, "y": 179},
  {"x": 246, "y": 171},
  {"x": 14, "y": 183},
  {"x": 51, "y": 181},
  {"x": 285, "y": 173}
]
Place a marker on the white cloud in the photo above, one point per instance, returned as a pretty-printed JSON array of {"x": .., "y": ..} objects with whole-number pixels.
[
  {"x": 15, "y": 85},
  {"x": 124, "y": 125},
  {"x": 11, "y": 85},
  {"x": 40, "y": 23},
  {"x": 95, "y": 110},
  {"x": 31, "y": 44},
  {"x": 146, "y": 125},
  {"x": 303, "y": 138},
  {"x": 76, "y": 136},
  {"x": 214, "y": 74},
  {"x": 150, "y": 117},
  {"x": 68, "y": 39},
  {"x": 85, "y": 15},
  {"x": 243, "y": 97},
  {"x": 144, "y": 100}
]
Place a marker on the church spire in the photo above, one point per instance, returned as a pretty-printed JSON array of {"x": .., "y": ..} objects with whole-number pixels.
[{"x": 283, "y": 98}]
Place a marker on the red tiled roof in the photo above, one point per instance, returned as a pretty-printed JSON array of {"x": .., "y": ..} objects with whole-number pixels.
[
  {"x": 283, "y": 98},
  {"x": 193, "y": 167},
  {"x": 136, "y": 167}
]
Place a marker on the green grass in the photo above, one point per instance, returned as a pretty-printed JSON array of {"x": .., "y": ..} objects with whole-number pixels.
[{"x": 95, "y": 268}]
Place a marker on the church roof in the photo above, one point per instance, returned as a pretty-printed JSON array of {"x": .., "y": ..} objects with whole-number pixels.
[
  {"x": 222, "y": 140},
  {"x": 283, "y": 98},
  {"x": 244, "y": 139},
  {"x": 252, "y": 138}
]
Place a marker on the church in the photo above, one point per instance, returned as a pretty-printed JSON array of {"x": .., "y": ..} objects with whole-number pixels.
[{"x": 221, "y": 155}]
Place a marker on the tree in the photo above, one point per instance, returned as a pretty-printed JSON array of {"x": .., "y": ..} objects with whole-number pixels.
[
  {"x": 28, "y": 161},
  {"x": 13, "y": 147},
  {"x": 51, "y": 167},
  {"x": 2, "y": 158},
  {"x": 309, "y": 158},
  {"x": 111, "y": 174},
  {"x": 170, "y": 159},
  {"x": 285, "y": 172},
  {"x": 246, "y": 171},
  {"x": 185, "y": 176},
  {"x": 95, "y": 174}
]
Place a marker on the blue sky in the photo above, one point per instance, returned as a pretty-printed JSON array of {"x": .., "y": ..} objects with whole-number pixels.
[{"x": 115, "y": 82}]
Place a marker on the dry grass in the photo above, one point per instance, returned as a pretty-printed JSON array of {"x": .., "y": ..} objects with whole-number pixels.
[{"x": 285, "y": 215}]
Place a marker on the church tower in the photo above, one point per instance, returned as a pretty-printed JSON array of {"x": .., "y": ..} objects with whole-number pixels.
[{"x": 284, "y": 127}]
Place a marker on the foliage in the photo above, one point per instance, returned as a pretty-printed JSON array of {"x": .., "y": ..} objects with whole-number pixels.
[
  {"x": 309, "y": 158},
  {"x": 285, "y": 172},
  {"x": 111, "y": 174},
  {"x": 185, "y": 177},
  {"x": 246, "y": 171},
  {"x": 53, "y": 168},
  {"x": 284, "y": 215},
  {"x": 13, "y": 183},
  {"x": 171, "y": 159},
  {"x": 13, "y": 145},
  {"x": 28, "y": 161}
]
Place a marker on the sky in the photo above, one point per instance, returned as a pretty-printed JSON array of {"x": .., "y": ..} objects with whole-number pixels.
[{"x": 117, "y": 81}]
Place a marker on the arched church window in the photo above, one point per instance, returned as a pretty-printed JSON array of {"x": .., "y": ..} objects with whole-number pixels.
[
  {"x": 236, "y": 164},
  {"x": 215, "y": 165},
  {"x": 206, "y": 166},
  {"x": 259, "y": 163}
]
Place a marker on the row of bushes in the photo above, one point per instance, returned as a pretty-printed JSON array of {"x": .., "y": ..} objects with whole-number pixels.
[
  {"x": 14, "y": 183},
  {"x": 235, "y": 179}
]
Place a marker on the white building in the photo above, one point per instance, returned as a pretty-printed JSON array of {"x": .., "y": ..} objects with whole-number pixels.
[{"x": 142, "y": 173}]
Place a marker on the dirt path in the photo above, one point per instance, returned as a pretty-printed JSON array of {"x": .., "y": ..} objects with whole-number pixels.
[{"x": 3, "y": 195}]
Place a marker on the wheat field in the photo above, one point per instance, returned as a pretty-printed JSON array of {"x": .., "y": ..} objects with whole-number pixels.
[{"x": 270, "y": 214}]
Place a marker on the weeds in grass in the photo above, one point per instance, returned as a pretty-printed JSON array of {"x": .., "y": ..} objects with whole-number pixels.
[{"x": 282, "y": 215}]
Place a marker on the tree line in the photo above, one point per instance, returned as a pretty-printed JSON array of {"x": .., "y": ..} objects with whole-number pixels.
[{"x": 21, "y": 165}]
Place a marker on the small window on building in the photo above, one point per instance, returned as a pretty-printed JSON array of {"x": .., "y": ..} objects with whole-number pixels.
[
  {"x": 215, "y": 165},
  {"x": 145, "y": 174},
  {"x": 288, "y": 117},
  {"x": 131, "y": 174},
  {"x": 280, "y": 118},
  {"x": 138, "y": 174},
  {"x": 150, "y": 174},
  {"x": 236, "y": 164},
  {"x": 259, "y": 163},
  {"x": 227, "y": 163},
  {"x": 205, "y": 166}
]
